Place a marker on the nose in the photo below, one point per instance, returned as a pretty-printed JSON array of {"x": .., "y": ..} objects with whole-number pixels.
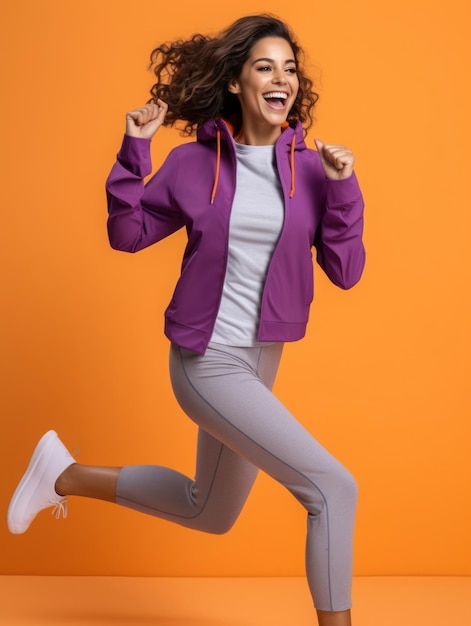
[{"x": 279, "y": 76}]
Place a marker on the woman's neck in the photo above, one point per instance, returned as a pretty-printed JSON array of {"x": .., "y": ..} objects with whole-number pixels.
[{"x": 258, "y": 136}]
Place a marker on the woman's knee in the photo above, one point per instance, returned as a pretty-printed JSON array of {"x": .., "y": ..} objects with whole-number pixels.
[
  {"x": 348, "y": 488},
  {"x": 216, "y": 524},
  {"x": 219, "y": 526},
  {"x": 338, "y": 488}
]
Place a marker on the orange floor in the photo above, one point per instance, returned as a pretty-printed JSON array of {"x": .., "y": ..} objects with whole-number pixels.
[{"x": 74, "y": 601}]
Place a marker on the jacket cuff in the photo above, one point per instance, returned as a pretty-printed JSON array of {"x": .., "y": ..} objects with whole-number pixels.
[
  {"x": 134, "y": 155},
  {"x": 344, "y": 191}
]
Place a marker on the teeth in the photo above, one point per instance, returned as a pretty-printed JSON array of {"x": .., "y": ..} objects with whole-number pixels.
[{"x": 276, "y": 94}]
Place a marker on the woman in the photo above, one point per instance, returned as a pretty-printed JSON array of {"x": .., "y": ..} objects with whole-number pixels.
[{"x": 254, "y": 200}]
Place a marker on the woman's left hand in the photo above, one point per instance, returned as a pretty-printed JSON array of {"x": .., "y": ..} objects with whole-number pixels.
[{"x": 337, "y": 161}]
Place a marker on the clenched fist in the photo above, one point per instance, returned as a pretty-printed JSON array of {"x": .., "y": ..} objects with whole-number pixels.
[
  {"x": 145, "y": 122},
  {"x": 337, "y": 161}
]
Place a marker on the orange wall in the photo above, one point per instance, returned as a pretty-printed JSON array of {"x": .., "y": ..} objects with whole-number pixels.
[{"x": 382, "y": 379}]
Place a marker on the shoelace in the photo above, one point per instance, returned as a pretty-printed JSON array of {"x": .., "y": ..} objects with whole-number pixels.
[{"x": 60, "y": 507}]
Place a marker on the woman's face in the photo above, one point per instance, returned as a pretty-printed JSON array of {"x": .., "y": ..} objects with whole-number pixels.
[{"x": 268, "y": 84}]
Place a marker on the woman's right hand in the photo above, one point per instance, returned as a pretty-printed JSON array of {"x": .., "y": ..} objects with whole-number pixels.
[{"x": 146, "y": 121}]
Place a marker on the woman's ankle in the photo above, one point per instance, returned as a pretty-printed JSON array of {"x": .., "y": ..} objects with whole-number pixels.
[
  {"x": 63, "y": 482},
  {"x": 334, "y": 618}
]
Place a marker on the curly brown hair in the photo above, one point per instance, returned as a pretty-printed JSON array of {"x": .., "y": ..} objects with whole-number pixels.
[{"x": 193, "y": 75}]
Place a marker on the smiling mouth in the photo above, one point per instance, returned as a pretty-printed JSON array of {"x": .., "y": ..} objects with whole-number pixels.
[{"x": 276, "y": 99}]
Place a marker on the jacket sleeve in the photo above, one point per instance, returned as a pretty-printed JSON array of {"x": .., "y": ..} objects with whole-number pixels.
[
  {"x": 140, "y": 214},
  {"x": 338, "y": 241}
]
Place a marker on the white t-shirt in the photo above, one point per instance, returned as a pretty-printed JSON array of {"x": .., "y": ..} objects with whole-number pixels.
[{"x": 255, "y": 225}]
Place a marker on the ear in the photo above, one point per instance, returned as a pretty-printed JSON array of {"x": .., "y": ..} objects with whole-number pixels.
[{"x": 234, "y": 86}]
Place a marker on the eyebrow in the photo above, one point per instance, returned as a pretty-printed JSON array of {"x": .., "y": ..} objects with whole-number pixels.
[{"x": 272, "y": 60}]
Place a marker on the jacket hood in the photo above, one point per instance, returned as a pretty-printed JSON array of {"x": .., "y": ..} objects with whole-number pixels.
[
  {"x": 222, "y": 130},
  {"x": 227, "y": 127}
]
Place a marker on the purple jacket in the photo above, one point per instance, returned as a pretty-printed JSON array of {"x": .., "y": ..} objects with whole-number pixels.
[{"x": 195, "y": 188}]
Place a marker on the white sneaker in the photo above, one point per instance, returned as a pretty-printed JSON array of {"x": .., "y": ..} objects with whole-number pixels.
[{"x": 36, "y": 490}]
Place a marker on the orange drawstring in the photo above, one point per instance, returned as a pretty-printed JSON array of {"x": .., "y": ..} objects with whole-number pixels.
[
  {"x": 218, "y": 164},
  {"x": 293, "y": 144}
]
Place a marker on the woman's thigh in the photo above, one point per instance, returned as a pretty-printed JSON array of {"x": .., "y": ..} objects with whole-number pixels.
[{"x": 223, "y": 392}]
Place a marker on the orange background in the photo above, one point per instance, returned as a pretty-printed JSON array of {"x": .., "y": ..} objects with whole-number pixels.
[{"x": 382, "y": 378}]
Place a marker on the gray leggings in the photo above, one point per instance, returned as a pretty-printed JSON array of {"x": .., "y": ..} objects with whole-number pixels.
[{"x": 243, "y": 427}]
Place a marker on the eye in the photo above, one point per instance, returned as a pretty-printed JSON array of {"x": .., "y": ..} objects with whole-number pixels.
[
  {"x": 263, "y": 68},
  {"x": 291, "y": 70}
]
